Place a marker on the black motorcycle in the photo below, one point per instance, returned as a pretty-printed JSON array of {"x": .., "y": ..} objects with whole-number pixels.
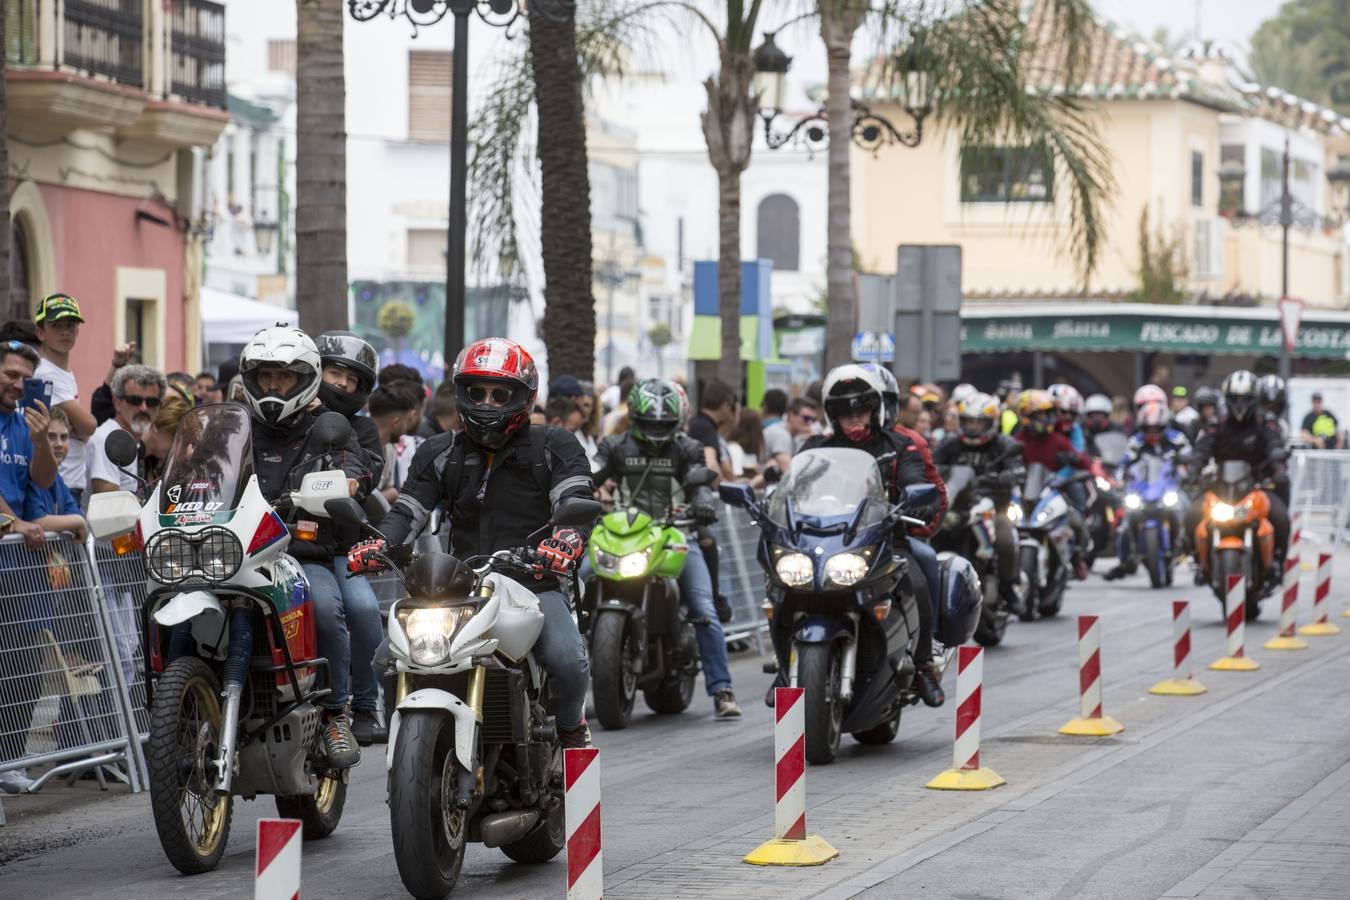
[{"x": 968, "y": 531}]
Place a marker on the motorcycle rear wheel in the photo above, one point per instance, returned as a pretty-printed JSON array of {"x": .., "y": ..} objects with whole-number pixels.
[
  {"x": 819, "y": 672},
  {"x": 429, "y": 834},
  {"x": 613, "y": 679},
  {"x": 882, "y": 733},
  {"x": 1026, "y": 564},
  {"x": 993, "y": 623}
]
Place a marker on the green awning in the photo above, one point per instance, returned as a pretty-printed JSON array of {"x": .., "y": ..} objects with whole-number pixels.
[{"x": 705, "y": 338}]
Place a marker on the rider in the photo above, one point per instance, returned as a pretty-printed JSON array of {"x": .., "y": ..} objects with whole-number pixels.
[
  {"x": 1097, "y": 421},
  {"x": 855, "y": 408},
  {"x": 279, "y": 369},
  {"x": 1273, "y": 400},
  {"x": 499, "y": 481},
  {"x": 651, "y": 462},
  {"x": 1250, "y": 436},
  {"x": 1152, "y": 437},
  {"x": 1043, "y": 443},
  {"x": 1068, "y": 405},
  {"x": 1208, "y": 404},
  {"x": 997, "y": 458},
  {"x": 349, "y": 365}
]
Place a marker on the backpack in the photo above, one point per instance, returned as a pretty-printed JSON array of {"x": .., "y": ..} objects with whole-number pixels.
[{"x": 454, "y": 466}]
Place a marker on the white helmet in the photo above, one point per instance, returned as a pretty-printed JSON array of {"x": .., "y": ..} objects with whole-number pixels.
[
  {"x": 851, "y": 388},
  {"x": 1066, "y": 398},
  {"x": 963, "y": 392},
  {"x": 280, "y": 347},
  {"x": 1098, "y": 403},
  {"x": 1149, "y": 393}
]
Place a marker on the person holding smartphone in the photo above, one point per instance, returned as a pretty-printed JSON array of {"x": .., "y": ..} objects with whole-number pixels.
[{"x": 25, "y": 450}]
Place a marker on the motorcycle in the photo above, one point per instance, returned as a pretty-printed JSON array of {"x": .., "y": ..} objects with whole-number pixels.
[
  {"x": 1045, "y": 547},
  {"x": 474, "y": 753},
  {"x": 833, "y": 580},
  {"x": 968, "y": 532},
  {"x": 228, "y": 615},
  {"x": 1106, "y": 508},
  {"x": 1151, "y": 502},
  {"x": 640, "y": 635},
  {"x": 1235, "y": 536}
]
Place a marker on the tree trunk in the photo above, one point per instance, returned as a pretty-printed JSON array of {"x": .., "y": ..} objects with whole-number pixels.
[
  {"x": 4, "y": 183},
  {"x": 565, "y": 229},
  {"x": 321, "y": 168},
  {"x": 729, "y": 275},
  {"x": 839, "y": 19}
]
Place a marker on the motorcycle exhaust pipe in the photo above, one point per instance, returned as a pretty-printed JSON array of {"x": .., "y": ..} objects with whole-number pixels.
[{"x": 501, "y": 828}]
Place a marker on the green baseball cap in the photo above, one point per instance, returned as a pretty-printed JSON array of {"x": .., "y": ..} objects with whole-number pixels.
[
  {"x": 1180, "y": 391},
  {"x": 57, "y": 306}
]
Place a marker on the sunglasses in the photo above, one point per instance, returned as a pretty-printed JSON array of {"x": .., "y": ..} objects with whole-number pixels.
[
  {"x": 808, "y": 418},
  {"x": 497, "y": 396},
  {"x": 140, "y": 400}
]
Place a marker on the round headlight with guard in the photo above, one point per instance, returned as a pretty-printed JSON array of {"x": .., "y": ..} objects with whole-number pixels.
[
  {"x": 169, "y": 557},
  {"x": 219, "y": 554}
]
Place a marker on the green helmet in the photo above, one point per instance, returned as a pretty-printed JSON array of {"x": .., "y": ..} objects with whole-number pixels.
[{"x": 656, "y": 410}]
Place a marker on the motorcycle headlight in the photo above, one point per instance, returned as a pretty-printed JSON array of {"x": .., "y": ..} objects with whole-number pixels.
[
  {"x": 431, "y": 630},
  {"x": 1014, "y": 513},
  {"x": 1103, "y": 484},
  {"x": 1132, "y": 501},
  {"x": 219, "y": 554},
  {"x": 794, "y": 569},
  {"x": 1221, "y": 512},
  {"x": 631, "y": 565},
  {"x": 169, "y": 557},
  {"x": 606, "y": 562},
  {"x": 1170, "y": 499},
  {"x": 845, "y": 569}
]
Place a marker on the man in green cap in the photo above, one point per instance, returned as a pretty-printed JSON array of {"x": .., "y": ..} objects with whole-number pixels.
[
  {"x": 1320, "y": 427},
  {"x": 58, "y": 320}
]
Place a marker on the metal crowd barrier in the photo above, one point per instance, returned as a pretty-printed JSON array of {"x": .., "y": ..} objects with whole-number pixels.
[
  {"x": 64, "y": 698},
  {"x": 1320, "y": 490},
  {"x": 742, "y": 578}
]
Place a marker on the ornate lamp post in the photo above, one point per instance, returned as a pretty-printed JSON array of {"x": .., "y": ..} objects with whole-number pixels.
[
  {"x": 421, "y": 13},
  {"x": 911, "y": 85}
]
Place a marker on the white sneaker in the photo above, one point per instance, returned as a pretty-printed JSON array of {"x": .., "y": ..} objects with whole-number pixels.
[{"x": 15, "y": 781}]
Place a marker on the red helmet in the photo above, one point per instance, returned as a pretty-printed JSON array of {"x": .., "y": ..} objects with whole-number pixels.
[
  {"x": 492, "y": 416},
  {"x": 1153, "y": 421}
]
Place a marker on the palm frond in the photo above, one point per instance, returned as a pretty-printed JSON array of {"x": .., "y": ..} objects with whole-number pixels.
[{"x": 495, "y": 139}]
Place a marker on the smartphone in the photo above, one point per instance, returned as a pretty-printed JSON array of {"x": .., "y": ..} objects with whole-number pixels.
[{"x": 37, "y": 389}]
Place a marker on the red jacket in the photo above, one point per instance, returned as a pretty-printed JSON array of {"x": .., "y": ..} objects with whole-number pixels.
[
  {"x": 1046, "y": 450},
  {"x": 919, "y": 444}
]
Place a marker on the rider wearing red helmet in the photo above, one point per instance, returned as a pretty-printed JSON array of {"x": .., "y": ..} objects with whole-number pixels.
[{"x": 499, "y": 481}]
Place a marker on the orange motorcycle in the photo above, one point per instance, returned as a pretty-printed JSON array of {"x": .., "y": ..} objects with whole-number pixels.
[{"x": 1235, "y": 536}]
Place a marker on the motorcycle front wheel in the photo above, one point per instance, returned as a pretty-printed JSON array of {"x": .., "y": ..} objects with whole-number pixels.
[
  {"x": 429, "y": 832},
  {"x": 676, "y": 690},
  {"x": 613, "y": 678},
  {"x": 193, "y": 822},
  {"x": 819, "y": 672},
  {"x": 1150, "y": 551},
  {"x": 1026, "y": 564}
]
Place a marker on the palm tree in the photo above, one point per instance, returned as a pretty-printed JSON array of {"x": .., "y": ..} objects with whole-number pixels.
[
  {"x": 4, "y": 177},
  {"x": 321, "y": 168}
]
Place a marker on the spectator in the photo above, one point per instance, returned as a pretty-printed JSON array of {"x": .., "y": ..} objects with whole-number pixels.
[
  {"x": 592, "y": 422},
  {"x": 910, "y": 408},
  {"x": 617, "y": 394},
  {"x": 1320, "y": 427},
  {"x": 562, "y": 412},
  {"x": 1121, "y": 415},
  {"x": 159, "y": 438},
  {"x": 203, "y": 386},
  {"x": 745, "y": 444},
  {"x": 444, "y": 413},
  {"x": 538, "y": 416},
  {"x": 57, "y": 326},
  {"x": 137, "y": 392},
  {"x": 924, "y": 425},
  {"x": 716, "y": 407},
  {"x": 26, "y": 457},
  {"x": 20, "y": 330},
  {"x": 399, "y": 372},
  {"x": 813, "y": 391},
  {"x": 55, "y": 508},
  {"x": 394, "y": 408},
  {"x": 619, "y": 412},
  {"x": 406, "y": 446}
]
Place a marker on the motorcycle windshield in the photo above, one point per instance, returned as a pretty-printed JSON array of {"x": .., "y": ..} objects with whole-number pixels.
[
  {"x": 1111, "y": 447},
  {"x": 210, "y": 462},
  {"x": 958, "y": 479},
  {"x": 1235, "y": 471},
  {"x": 831, "y": 483},
  {"x": 1037, "y": 475}
]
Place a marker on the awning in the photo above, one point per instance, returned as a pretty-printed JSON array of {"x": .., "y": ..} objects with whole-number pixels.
[
  {"x": 1252, "y": 331},
  {"x": 232, "y": 319}
]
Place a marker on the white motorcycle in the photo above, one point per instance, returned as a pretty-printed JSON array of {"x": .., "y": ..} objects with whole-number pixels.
[
  {"x": 474, "y": 753},
  {"x": 231, "y": 652}
]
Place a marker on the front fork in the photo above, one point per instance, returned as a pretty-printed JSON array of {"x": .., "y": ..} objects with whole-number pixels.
[{"x": 236, "y": 671}]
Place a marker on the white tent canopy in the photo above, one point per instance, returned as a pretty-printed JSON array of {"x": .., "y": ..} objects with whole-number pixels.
[{"x": 231, "y": 319}]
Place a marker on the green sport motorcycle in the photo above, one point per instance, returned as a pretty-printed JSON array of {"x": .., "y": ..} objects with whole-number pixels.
[{"x": 640, "y": 635}]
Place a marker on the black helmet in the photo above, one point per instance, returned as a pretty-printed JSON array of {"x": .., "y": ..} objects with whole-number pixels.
[
  {"x": 1240, "y": 393},
  {"x": 656, "y": 410},
  {"x": 1206, "y": 396},
  {"x": 342, "y": 348},
  {"x": 1271, "y": 389}
]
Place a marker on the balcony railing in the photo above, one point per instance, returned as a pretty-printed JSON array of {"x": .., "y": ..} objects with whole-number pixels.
[
  {"x": 197, "y": 45},
  {"x": 105, "y": 37}
]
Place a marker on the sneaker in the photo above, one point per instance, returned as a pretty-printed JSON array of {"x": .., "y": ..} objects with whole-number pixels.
[
  {"x": 723, "y": 607},
  {"x": 1116, "y": 573},
  {"x": 16, "y": 781},
  {"x": 577, "y": 739},
  {"x": 366, "y": 728},
  {"x": 929, "y": 686},
  {"x": 724, "y": 705},
  {"x": 339, "y": 745},
  {"x": 769, "y": 695}
]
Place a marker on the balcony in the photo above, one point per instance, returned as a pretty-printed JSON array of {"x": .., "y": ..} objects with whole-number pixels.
[
  {"x": 105, "y": 37},
  {"x": 197, "y": 50}
]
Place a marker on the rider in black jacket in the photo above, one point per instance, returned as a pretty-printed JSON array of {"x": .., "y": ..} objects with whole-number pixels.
[
  {"x": 651, "y": 462},
  {"x": 280, "y": 372},
  {"x": 499, "y": 481},
  {"x": 997, "y": 460}
]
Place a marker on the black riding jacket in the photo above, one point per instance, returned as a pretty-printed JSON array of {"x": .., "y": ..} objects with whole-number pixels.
[
  {"x": 901, "y": 464},
  {"x": 1256, "y": 441},
  {"x": 994, "y": 457},
  {"x": 659, "y": 471}
]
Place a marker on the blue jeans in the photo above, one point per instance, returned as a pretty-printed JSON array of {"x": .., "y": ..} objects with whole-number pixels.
[
  {"x": 335, "y": 644},
  {"x": 562, "y": 653},
  {"x": 696, "y": 590},
  {"x": 363, "y": 622},
  {"x": 926, "y": 557}
]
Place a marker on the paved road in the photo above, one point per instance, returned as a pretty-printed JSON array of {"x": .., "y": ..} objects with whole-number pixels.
[{"x": 1241, "y": 792}]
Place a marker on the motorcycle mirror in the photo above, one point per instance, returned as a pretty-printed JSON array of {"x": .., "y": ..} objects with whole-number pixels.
[
  {"x": 917, "y": 495},
  {"x": 741, "y": 495},
  {"x": 699, "y": 476},
  {"x": 121, "y": 448},
  {"x": 375, "y": 507},
  {"x": 345, "y": 510},
  {"x": 576, "y": 511},
  {"x": 331, "y": 430}
]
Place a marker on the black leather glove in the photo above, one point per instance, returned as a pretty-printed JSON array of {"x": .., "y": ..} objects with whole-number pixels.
[
  {"x": 1007, "y": 479},
  {"x": 772, "y": 474},
  {"x": 704, "y": 511}
]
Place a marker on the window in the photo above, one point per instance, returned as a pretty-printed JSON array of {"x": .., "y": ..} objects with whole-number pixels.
[
  {"x": 134, "y": 328},
  {"x": 426, "y": 248},
  {"x": 281, "y": 56},
  {"x": 429, "y": 95},
  {"x": 1197, "y": 178},
  {"x": 1007, "y": 175},
  {"x": 1231, "y": 195},
  {"x": 778, "y": 232}
]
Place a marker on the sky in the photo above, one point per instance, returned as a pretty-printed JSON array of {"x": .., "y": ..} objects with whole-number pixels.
[{"x": 1232, "y": 21}]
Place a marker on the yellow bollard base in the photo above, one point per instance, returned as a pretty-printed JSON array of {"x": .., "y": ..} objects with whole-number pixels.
[
  {"x": 1101, "y": 727},
  {"x": 1178, "y": 687},
  {"x": 1235, "y": 664},
  {"x": 813, "y": 850},
  {"x": 1319, "y": 629},
  {"x": 1284, "y": 643},
  {"x": 1346, "y": 613},
  {"x": 981, "y": 779}
]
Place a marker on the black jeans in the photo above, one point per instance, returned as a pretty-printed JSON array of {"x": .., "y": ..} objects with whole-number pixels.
[{"x": 1005, "y": 549}]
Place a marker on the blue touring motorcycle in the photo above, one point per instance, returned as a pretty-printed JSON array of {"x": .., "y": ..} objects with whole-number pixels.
[
  {"x": 835, "y": 586},
  {"x": 1153, "y": 504}
]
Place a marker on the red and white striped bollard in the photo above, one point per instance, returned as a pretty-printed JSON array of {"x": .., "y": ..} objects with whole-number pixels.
[
  {"x": 1182, "y": 683},
  {"x": 1235, "y": 616},
  {"x": 791, "y": 845},
  {"x": 1319, "y": 626},
  {"x": 276, "y": 876},
  {"x": 966, "y": 773},
  {"x": 1286, "y": 640},
  {"x": 581, "y": 797},
  {"x": 1090, "y": 722}
]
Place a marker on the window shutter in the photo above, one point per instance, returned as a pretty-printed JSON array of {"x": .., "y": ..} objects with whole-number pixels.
[
  {"x": 281, "y": 56},
  {"x": 429, "y": 95}
]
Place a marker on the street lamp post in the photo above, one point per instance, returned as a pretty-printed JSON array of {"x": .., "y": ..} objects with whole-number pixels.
[{"x": 421, "y": 13}]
